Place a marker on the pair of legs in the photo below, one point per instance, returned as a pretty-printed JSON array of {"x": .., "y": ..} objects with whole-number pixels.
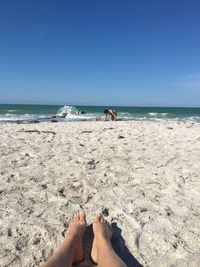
[{"x": 71, "y": 251}]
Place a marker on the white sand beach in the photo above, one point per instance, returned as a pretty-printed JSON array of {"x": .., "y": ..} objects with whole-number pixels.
[{"x": 144, "y": 175}]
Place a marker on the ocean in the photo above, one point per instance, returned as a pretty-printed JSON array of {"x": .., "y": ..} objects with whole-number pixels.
[{"x": 28, "y": 113}]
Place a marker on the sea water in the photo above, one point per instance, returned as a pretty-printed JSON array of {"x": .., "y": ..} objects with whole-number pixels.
[{"x": 11, "y": 113}]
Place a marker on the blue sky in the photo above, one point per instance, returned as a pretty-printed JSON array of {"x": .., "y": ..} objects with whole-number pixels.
[{"x": 100, "y": 52}]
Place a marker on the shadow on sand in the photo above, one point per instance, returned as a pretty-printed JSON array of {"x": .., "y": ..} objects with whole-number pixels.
[
  {"x": 118, "y": 244},
  {"x": 121, "y": 249}
]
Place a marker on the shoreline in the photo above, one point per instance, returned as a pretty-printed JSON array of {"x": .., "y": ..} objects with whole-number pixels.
[
  {"x": 145, "y": 174},
  {"x": 58, "y": 120}
]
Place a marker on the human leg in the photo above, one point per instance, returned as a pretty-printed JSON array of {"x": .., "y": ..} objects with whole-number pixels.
[
  {"x": 71, "y": 250},
  {"x": 102, "y": 251}
]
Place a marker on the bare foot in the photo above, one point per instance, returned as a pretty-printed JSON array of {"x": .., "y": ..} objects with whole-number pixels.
[
  {"x": 76, "y": 230},
  {"x": 102, "y": 232}
]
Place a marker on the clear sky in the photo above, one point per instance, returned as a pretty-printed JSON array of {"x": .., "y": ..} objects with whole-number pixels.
[{"x": 100, "y": 52}]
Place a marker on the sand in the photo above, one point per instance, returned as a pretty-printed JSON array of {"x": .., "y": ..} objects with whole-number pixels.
[{"x": 144, "y": 176}]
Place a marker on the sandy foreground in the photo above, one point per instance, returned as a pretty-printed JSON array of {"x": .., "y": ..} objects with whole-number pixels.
[{"x": 144, "y": 176}]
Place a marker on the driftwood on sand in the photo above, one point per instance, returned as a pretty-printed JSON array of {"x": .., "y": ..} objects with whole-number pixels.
[{"x": 36, "y": 131}]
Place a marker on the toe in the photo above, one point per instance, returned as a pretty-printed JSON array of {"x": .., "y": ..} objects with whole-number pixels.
[
  {"x": 97, "y": 218},
  {"x": 102, "y": 219},
  {"x": 76, "y": 217},
  {"x": 82, "y": 216}
]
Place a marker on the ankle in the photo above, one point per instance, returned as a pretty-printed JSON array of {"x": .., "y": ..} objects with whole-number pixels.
[{"x": 71, "y": 238}]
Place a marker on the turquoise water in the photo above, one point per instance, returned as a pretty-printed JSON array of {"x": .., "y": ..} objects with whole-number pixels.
[{"x": 11, "y": 112}]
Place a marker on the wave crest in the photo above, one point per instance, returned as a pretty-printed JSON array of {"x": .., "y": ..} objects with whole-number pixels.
[
  {"x": 158, "y": 114},
  {"x": 69, "y": 110}
]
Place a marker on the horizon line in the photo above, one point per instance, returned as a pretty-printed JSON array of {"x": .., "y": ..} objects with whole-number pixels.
[{"x": 83, "y": 105}]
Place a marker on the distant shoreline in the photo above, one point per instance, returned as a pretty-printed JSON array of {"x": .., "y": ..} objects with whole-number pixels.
[{"x": 90, "y": 105}]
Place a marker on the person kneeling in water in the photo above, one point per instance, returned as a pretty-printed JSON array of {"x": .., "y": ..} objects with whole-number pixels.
[{"x": 111, "y": 113}]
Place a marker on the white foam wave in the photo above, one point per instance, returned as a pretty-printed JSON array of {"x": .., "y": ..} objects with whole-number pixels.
[
  {"x": 158, "y": 114},
  {"x": 17, "y": 117},
  {"x": 194, "y": 118},
  {"x": 70, "y": 113},
  {"x": 68, "y": 110},
  {"x": 11, "y": 110},
  {"x": 153, "y": 113}
]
